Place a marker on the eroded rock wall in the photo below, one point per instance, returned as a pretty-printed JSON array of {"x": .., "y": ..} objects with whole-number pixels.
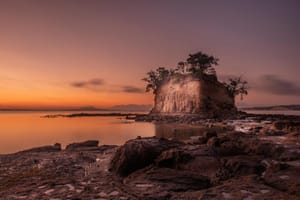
[{"x": 187, "y": 94}]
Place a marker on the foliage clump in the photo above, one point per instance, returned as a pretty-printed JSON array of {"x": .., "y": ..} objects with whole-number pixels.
[
  {"x": 199, "y": 64},
  {"x": 236, "y": 86}
]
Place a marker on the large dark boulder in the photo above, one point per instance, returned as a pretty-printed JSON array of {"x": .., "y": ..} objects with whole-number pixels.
[{"x": 139, "y": 153}]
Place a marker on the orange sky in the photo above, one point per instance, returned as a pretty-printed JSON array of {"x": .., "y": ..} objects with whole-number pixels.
[{"x": 51, "y": 52}]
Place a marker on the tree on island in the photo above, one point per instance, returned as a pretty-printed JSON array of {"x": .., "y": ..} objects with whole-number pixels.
[
  {"x": 155, "y": 78},
  {"x": 198, "y": 64},
  {"x": 236, "y": 86}
]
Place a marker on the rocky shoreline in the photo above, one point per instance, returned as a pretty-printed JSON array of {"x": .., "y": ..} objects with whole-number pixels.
[{"x": 258, "y": 159}]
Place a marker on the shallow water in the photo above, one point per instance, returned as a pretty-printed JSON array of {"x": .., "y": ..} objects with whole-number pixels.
[{"x": 23, "y": 130}]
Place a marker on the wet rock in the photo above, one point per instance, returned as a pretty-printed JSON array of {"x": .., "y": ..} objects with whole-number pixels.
[
  {"x": 49, "y": 148},
  {"x": 166, "y": 179},
  {"x": 242, "y": 165},
  {"x": 244, "y": 187},
  {"x": 80, "y": 145},
  {"x": 287, "y": 125},
  {"x": 283, "y": 177},
  {"x": 173, "y": 158},
  {"x": 139, "y": 153},
  {"x": 196, "y": 159},
  {"x": 275, "y": 133},
  {"x": 228, "y": 145},
  {"x": 210, "y": 134},
  {"x": 206, "y": 136}
]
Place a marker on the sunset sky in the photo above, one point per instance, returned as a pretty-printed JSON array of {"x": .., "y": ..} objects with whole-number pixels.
[{"x": 59, "y": 53}]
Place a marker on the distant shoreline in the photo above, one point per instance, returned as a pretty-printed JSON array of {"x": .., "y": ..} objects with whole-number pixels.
[
  {"x": 277, "y": 107},
  {"x": 127, "y": 115}
]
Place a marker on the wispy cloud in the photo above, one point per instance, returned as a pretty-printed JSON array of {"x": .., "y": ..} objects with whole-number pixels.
[
  {"x": 276, "y": 85},
  {"x": 132, "y": 89},
  {"x": 99, "y": 85},
  {"x": 88, "y": 84}
]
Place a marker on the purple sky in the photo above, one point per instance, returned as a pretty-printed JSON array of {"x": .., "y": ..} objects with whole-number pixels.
[{"x": 106, "y": 47}]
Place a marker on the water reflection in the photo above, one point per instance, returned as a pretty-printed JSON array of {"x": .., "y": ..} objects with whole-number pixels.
[
  {"x": 177, "y": 132},
  {"x": 21, "y": 131}
]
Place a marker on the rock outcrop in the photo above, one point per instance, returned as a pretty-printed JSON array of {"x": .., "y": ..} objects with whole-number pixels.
[
  {"x": 191, "y": 94},
  {"x": 139, "y": 153}
]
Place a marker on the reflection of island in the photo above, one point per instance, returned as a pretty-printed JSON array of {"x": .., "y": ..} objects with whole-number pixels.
[
  {"x": 182, "y": 132},
  {"x": 176, "y": 132}
]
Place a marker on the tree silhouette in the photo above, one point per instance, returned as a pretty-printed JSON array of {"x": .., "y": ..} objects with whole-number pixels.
[
  {"x": 155, "y": 78},
  {"x": 236, "y": 86},
  {"x": 201, "y": 62}
]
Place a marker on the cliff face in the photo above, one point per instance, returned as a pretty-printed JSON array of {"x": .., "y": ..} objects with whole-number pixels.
[{"x": 188, "y": 94}]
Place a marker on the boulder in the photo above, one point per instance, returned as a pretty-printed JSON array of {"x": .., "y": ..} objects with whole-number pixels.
[
  {"x": 228, "y": 145},
  {"x": 242, "y": 165},
  {"x": 196, "y": 159},
  {"x": 139, "y": 153},
  {"x": 48, "y": 148},
  {"x": 80, "y": 145},
  {"x": 173, "y": 158}
]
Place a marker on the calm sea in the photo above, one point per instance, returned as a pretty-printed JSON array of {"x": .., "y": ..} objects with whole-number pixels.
[{"x": 23, "y": 130}]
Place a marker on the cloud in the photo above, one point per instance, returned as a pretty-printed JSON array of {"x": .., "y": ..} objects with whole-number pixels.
[
  {"x": 132, "y": 89},
  {"x": 88, "y": 84},
  {"x": 94, "y": 85},
  {"x": 276, "y": 85}
]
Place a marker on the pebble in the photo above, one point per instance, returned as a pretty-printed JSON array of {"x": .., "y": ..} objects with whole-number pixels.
[
  {"x": 48, "y": 191},
  {"x": 71, "y": 187},
  {"x": 245, "y": 191},
  {"x": 102, "y": 194},
  {"x": 18, "y": 197},
  {"x": 114, "y": 193},
  {"x": 284, "y": 177},
  {"x": 144, "y": 185},
  {"x": 264, "y": 191},
  {"x": 226, "y": 195}
]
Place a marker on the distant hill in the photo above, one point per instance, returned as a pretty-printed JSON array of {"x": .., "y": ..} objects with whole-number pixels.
[
  {"x": 89, "y": 108},
  {"x": 278, "y": 107},
  {"x": 128, "y": 107}
]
